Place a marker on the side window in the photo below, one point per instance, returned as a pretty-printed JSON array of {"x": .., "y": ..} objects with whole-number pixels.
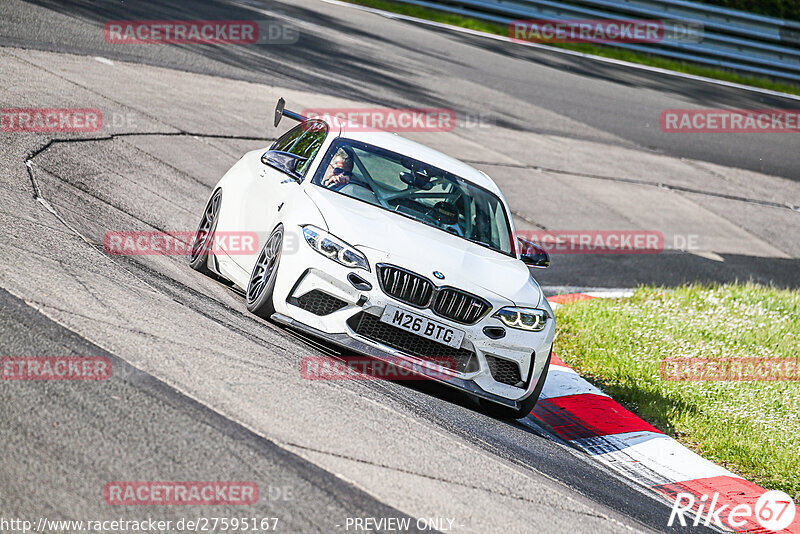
[
  {"x": 304, "y": 140},
  {"x": 309, "y": 144},
  {"x": 285, "y": 142}
]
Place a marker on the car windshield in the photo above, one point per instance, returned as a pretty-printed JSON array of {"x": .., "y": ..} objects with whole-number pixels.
[{"x": 416, "y": 190}]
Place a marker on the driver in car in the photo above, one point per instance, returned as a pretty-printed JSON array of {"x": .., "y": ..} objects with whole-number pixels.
[{"x": 339, "y": 171}]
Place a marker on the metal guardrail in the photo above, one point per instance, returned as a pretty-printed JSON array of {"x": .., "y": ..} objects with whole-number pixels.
[{"x": 699, "y": 33}]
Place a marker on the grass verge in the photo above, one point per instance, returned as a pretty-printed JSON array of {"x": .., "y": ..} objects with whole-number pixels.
[
  {"x": 751, "y": 428},
  {"x": 587, "y": 48}
]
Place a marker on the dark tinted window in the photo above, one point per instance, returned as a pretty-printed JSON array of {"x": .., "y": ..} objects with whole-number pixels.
[
  {"x": 304, "y": 140},
  {"x": 284, "y": 144}
]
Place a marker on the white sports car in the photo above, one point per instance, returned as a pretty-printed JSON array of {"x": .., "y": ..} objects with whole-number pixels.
[{"x": 389, "y": 249}]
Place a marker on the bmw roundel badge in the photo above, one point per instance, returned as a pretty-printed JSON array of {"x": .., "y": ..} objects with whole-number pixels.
[{"x": 438, "y": 275}]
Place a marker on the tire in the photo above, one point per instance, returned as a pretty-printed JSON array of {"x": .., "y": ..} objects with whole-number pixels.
[
  {"x": 262, "y": 279},
  {"x": 204, "y": 237},
  {"x": 503, "y": 412}
]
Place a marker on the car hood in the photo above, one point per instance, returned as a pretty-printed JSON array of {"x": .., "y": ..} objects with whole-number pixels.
[{"x": 412, "y": 245}]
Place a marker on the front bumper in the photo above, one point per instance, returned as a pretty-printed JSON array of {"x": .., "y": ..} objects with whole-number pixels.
[
  {"x": 308, "y": 271},
  {"x": 398, "y": 358}
]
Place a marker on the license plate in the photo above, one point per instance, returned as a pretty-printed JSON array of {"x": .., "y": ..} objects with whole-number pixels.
[{"x": 422, "y": 326}]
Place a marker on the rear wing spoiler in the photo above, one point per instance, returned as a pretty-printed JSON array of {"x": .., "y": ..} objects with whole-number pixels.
[{"x": 281, "y": 111}]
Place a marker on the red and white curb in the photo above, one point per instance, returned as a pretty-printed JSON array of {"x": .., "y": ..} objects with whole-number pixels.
[{"x": 592, "y": 421}]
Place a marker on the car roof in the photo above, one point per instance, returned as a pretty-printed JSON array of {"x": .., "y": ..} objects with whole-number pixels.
[{"x": 407, "y": 147}]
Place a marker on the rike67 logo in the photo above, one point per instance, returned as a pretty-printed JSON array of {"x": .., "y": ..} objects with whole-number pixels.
[{"x": 773, "y": 511}]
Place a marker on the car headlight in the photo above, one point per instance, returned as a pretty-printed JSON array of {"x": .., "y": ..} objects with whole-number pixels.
[
  {"x": 334, "y": 248},
  {"x": 531, "y": 319}
]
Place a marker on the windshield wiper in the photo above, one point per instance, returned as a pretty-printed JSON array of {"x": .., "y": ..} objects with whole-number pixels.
[{"x": 484, "y": 243}]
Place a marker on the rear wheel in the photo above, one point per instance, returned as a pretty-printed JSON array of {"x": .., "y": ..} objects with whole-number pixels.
[
  {"x": 204, "y": 237},
  {"x": 503, "y": 412},
  {"x": 262, "y": 279}
]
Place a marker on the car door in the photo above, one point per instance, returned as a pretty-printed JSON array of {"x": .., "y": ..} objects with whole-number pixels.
[{"x": 270, "y": 190}]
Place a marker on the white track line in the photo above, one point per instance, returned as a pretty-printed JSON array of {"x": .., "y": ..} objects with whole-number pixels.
[
  {"x": 563, "y": 381},
  {"x": 653, "y": 452}
]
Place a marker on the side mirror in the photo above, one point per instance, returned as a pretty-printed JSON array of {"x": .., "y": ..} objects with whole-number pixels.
[
  {"x": 533, "y": 255},
  {"x": 286, "y": 162}
]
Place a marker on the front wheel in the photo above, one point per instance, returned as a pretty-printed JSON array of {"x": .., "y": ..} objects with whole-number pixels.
[
  {"x": 503, "y": 412},
  {"x": 262, "y": 279},
  {"x": 204, "y": 237}
]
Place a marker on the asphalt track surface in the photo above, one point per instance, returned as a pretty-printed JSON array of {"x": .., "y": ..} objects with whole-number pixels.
[
  {"x": 202, "y": 390},
  {"x": 600, "y": 123},
  {"x": 357, "y": 56}
]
